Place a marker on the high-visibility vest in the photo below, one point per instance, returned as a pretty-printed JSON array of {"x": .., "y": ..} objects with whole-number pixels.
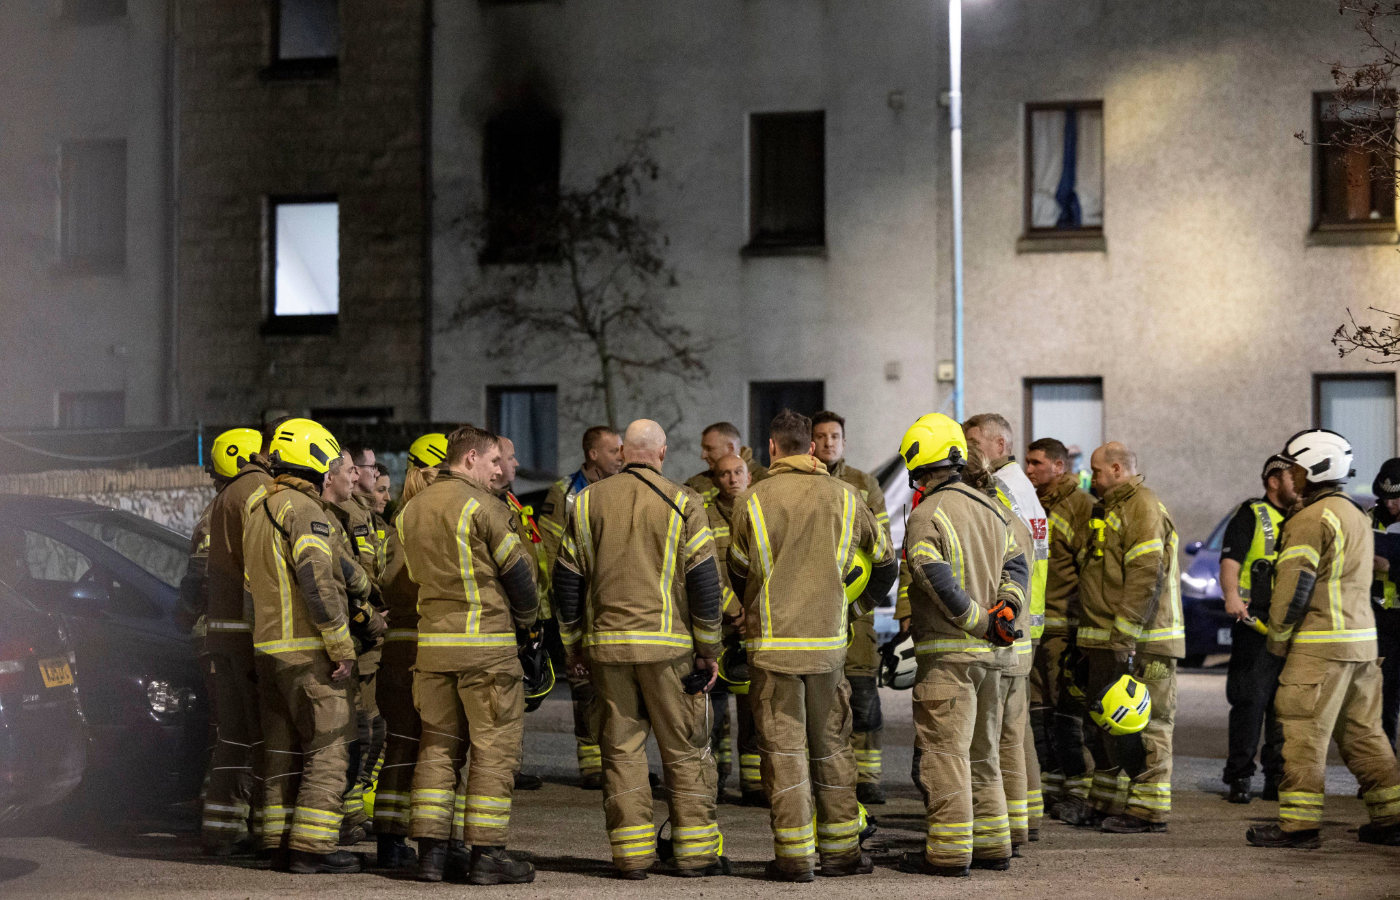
[
  {"x": 1383, "y": 589},
  {"x": 1268, "y": 524}
]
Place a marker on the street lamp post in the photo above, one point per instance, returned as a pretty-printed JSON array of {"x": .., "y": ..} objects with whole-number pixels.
[{"x": 955, "y": 117}]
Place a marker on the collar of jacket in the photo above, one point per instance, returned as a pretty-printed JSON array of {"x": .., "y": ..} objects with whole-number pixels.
[
  {"x": 1323, "y": 495},
  {"x": 578, "y": 481},
  {"x": 248, "y": 469},
  {"x": 448, "y": 473},
  {"x": 725, "y": 507},
  {"x": 638, "y": 465},
  {"x": 999, "y": 464},
  {"x": 1122, "y": 492},
  {"x": 1056, "y": 493},
  {"x": 836, "y": 468},
  {"x": 293, "y": 483},
  {"x": 363, "y": 501},
  {"x": 804, "y": 464}
]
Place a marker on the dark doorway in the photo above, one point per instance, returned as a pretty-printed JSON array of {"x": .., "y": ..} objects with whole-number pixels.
[{"x": 768, "y": 398}]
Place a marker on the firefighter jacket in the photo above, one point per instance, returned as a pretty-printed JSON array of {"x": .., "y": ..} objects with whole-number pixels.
[
  {"x": 476, "y": 583},
  {"x": 1068, "y": 510},
  {"x": 868, "y": 488},
  {"x": 792, "y": 543},
  {"x": 228, "y": 623},
  {"x": 721, "y": 515},
  {"x": 1017, "y": 492},
  {"x": 532, "y": 540},
  {"x": 362, "y": 526},
  {"x": 194, "y": 584},
  {"x": 636, "y": 580},
  {"x": 963, "y": 558},
  {"x": 1129, "y": 578},
  {"x": 297, "y": 577},
  {"x": 705, "y": 486},
  {"x": 1321, "y": 602},
  {"x": 1023, "y": 650},
  {"x": 554, "y": 515},
  {"x": 399, "y": 592},
  {"x": 1383, "y": 589}
]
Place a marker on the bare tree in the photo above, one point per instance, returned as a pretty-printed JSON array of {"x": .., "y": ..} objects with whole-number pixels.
[{"x": 583, "y": 275}]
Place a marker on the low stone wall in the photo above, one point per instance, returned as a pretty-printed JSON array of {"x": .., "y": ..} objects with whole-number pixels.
[{"x": 174, "y": 497}]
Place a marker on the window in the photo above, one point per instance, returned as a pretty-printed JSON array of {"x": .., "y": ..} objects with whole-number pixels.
[
  {"x": 521, "y": 159},
  {"x": 49, "y": 560},
  {"x": 1355, "y": 186},
  {"x": 1070, "y": 410},
  {"x": 159, "y": 552},
  {"x": 91, "y": 409},
  {"x": 89, "y": 10},
  {"x": 306, "y": 30},
  {"x": 1064, "y": 169},
  {"x": 529, "y": 416},
  {"x": 306, "y": 261},
  {"x": 92, "y": 205},
  {"x": 768, "y": 398},
  {"x": 1361, "y": 408},
  {"x": 787, "y": 191}
]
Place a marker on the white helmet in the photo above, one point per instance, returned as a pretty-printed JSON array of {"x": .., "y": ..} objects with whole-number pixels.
[
  {"x": 1325, "y": 454},
  {"x": 898, "y": 663}
]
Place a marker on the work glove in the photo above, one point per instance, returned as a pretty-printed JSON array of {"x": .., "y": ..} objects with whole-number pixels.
[{"x": 1001, "y": 627}]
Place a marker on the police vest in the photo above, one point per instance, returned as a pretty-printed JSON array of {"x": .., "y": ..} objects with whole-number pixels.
[
  {"x": 1040, "y": 567},
  {"x": 1383, "y": 590},
  {"x": 1268, "y": 522}
]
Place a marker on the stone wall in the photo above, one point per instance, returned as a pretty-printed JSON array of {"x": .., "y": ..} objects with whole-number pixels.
[{"x": 173, "y": 497}]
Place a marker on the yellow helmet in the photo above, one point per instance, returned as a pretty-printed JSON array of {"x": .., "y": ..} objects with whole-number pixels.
[
  {"x": 734, "y": 666},
  {"x": 934, "y": 440},
  {"x": 232, "y": 450},
  {"x": 428, "y": 451},
  {"x": 1123, "y": 708},
  {"x": 858, "y": 576},
  {"x": 303, "y": 444}
]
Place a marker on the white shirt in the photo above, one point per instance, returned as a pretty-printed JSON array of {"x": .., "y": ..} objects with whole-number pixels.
[{"x": 1026, "y": 504}]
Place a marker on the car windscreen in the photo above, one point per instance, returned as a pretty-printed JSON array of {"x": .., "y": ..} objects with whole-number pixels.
[{"x": 159, "y": 551}]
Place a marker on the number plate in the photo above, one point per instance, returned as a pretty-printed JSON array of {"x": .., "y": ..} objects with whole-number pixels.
[
  {"x": 1224, "y": 637},
  {"x": 55, "y": 672}
]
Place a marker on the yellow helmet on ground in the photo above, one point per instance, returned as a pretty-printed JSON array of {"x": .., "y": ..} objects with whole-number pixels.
[
  {"x": 734, "y": 666},
  {"x": 1123, "y": 708},
  {"x": 232, "y": 450},
  {"x": 303, "y": 444},
  {"x": 428, "y": 451},
  {"x": 858, "y": 575},
  {"x": 934, "y": 440}
]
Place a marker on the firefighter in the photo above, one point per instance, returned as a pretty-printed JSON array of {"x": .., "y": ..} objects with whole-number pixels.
[
  {"x": 1056, "y": 711},
  {"x": 297, "y": 580},
  {"x": 650, "y": 653},
  {"x": 863, "y": 656},
  {"x": 716, "y": 442},
  {"x": 797, "y": 535},
  {"x": 1247, "y": 559},
  {"x": 1385, "y": 600},
  {"x": 1131, "y": 623},
  {"x": 226, "y": 658},
  {"x": 1323, "y": 628},
  {"x": 970, "y": 582},
  {"x": 602, "y": 457},
  {"x": 476, "y": 589}
]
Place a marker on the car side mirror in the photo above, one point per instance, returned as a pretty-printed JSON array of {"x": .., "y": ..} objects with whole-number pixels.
[
  {"x": 1194, "y": 547},
  {"x": 85, "y": 600}
]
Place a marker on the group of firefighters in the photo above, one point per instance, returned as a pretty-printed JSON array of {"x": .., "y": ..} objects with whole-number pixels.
[{"x": 1040, "y": 632}]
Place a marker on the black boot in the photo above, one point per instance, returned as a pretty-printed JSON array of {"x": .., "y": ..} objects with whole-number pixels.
[
  {"x": 525, "y": 782},
  {"x": 1385, "y": 835},
  {"x": 753, "y": 797},
  {"x": 720, "y": 866},
  {"x": 916, "y": 863},
  {"x": 394, "y": 853},
  {"x": 341, "y": 862},
  {"x": 1270, "y": 790},
  {"x": 1239, "y": 791},
  {"x": 591, "y": 781},
  {"x": 1077, "y": 811},
  {"x": 1273, "y": 836},
  {"x": 459, "y": 862},
  {"x": 1130, "y": 824},
  {"x": 432, "y": 859},
  {"x": 861, "y": 865},
  {"x": 777, "y": 873},
  {"x": 870, "y": 793},
  {"x": 279, "y": 860},
  {"x": 1001, "y": 864},
  {"x": 351, "y": 836},
  {"x": 491, "y": 865}
]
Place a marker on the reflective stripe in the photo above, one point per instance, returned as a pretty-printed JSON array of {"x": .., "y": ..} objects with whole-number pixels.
[
  {"x": 952, "y": 645},
  {"x": 1351, "y": 636},
  {"x": 1163, "y": 634},
  {"x": 509, "y": 543},
  {"x": 1129, "y": 628},
  {"x": 1093, "y": 634},
  {"x": 310, "y": 541},
  {"x": 926, "y": 547},
  {"x": 426, "y": 639},
  {"x": 238, "y": 626},
  {"x": 1143, "y": 549},
  {"x": 1334, "y": 578},
  {"x": 1300, "y": 806},
  {"x": 955, "y": 552},
  {"x": 273, "y": 648},
  {"x": 1113, "y": 521},
  {"x": 772, "y": 643},
  {"x": 649, "y": 638},
  {"x": 1059, "y": 523},
  {"x": 1299, "y": 550},
  {"x": 394, "y": 635},
  {"x": 674, "y": 533},
  {"x": 466, "y": 565},
  {"x": 695, "y": 544}
]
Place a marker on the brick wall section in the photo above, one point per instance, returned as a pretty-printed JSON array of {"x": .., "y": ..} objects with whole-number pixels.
[
  {"x": 173, "y": 496},
  {"x": 245, "y": 136}
]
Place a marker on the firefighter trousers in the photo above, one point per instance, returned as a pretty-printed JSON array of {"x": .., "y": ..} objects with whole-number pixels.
[
  {"x": 1057, "y": 723},
  {"x": 957, "y": 737},
  {"x": 308, "y": 724},
  {"x": 1145, "y": 758},
  {"x": 586, "y": 725},
  {"x": 723, "y": 739},
  {"x": 402, "y": 731},
  {"x": 1013, "y": 758},
  {"x": 808, "y": 767},
  {"x": 232, "y": 797},
  {"x": 867, "y": 719},
  {"x": 1320, "y": 700}
]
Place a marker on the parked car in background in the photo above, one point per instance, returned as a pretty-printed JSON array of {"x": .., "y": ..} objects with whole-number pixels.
[
  {"x": 43, "y": 739},
  {"x": 113, "y": 580},
  {"x": 1202, "y": 603}
]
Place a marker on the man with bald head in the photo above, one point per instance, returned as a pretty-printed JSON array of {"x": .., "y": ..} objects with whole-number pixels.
[
  {"x": 638, "y": 596},
  {"x": 1131, "y": 623}
]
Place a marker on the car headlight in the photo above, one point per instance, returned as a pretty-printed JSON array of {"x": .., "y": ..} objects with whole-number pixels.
[
  {"x": 1195, "y": 584},
  {"x": 165, "y": 697}
]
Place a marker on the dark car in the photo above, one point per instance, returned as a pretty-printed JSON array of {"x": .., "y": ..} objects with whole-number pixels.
[
  {"x": 113, "y": 579},
  {"x": 1202, "y": 603},
  {"x": 43, "y": 740}
]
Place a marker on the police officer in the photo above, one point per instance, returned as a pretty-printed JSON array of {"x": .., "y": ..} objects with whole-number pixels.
[
  {"x": 1322, "y": 625},
  {"x": 798, "y": 531},
  {"x": 296, "y": 576},
  {"x": 602, "y": 456},
  {"x": 476, "y": 589},
  {"x": 969, "y": 584},
  {"x": 1247, "y": 559},
  {"x": 1057, "y": 711},
  {"x": 1385, "y": 517},
  {"x": 863, "y": 656},
  {"x": 716, "y": 442},
  {"x": 1131, "y": 623},
  {"x": 650, "y": 653}
]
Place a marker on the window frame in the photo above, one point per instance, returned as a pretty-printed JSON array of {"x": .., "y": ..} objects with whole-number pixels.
[
  {"x": 92, "y": 265},
  {"x": 58, "y": 404},
  {"x": 299, "y": 67},
  {"x": 295, "y": 325},
  {"x": 493, "y": 410},
  {"x": 1319, "y": 377},
  {"x": 1029, "y": 385},
  {"x": 493, "y": 251},
  {"x": 1085, "y": 237},
  {"x": 758, "y": 427},
  {"x": 1341, "y": 231},
  {"x": 756, "y": 244}
]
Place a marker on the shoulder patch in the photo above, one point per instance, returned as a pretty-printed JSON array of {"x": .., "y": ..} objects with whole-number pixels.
[
  {"x": 321, "y": 528},
  {"x": 546, "y": 508},
  {"x": 361, "y": 531}
]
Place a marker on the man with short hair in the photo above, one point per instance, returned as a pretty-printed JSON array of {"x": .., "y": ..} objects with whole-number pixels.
[
  {"x": 716, "y": 442},
  {"x": 602, "y": 457},
  {"x": 1131, "y": 624},
  {"x": 1248, "y": 555},
  {"x": 1057, "y": 713},
  {"x": 476, "y": 589},
  {"x": 639, "y": 603},
  {"x": 863, "y": 655},
  {"x": 792, "y": 527}
]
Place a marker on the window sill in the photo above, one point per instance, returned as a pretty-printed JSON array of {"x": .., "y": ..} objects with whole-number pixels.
[
  {"x": 300, "y": 326},
  {"x": 1062, "y": 242},
  {"x": 1344, "y": 236},
  {"x": 302, "y": 70},
  {"x": 754, "y": 251}
]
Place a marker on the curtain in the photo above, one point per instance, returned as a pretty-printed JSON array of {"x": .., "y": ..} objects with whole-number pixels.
[
  {"x": 1067, "y": 168},
  {"x": 1047, "y": 165}
]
